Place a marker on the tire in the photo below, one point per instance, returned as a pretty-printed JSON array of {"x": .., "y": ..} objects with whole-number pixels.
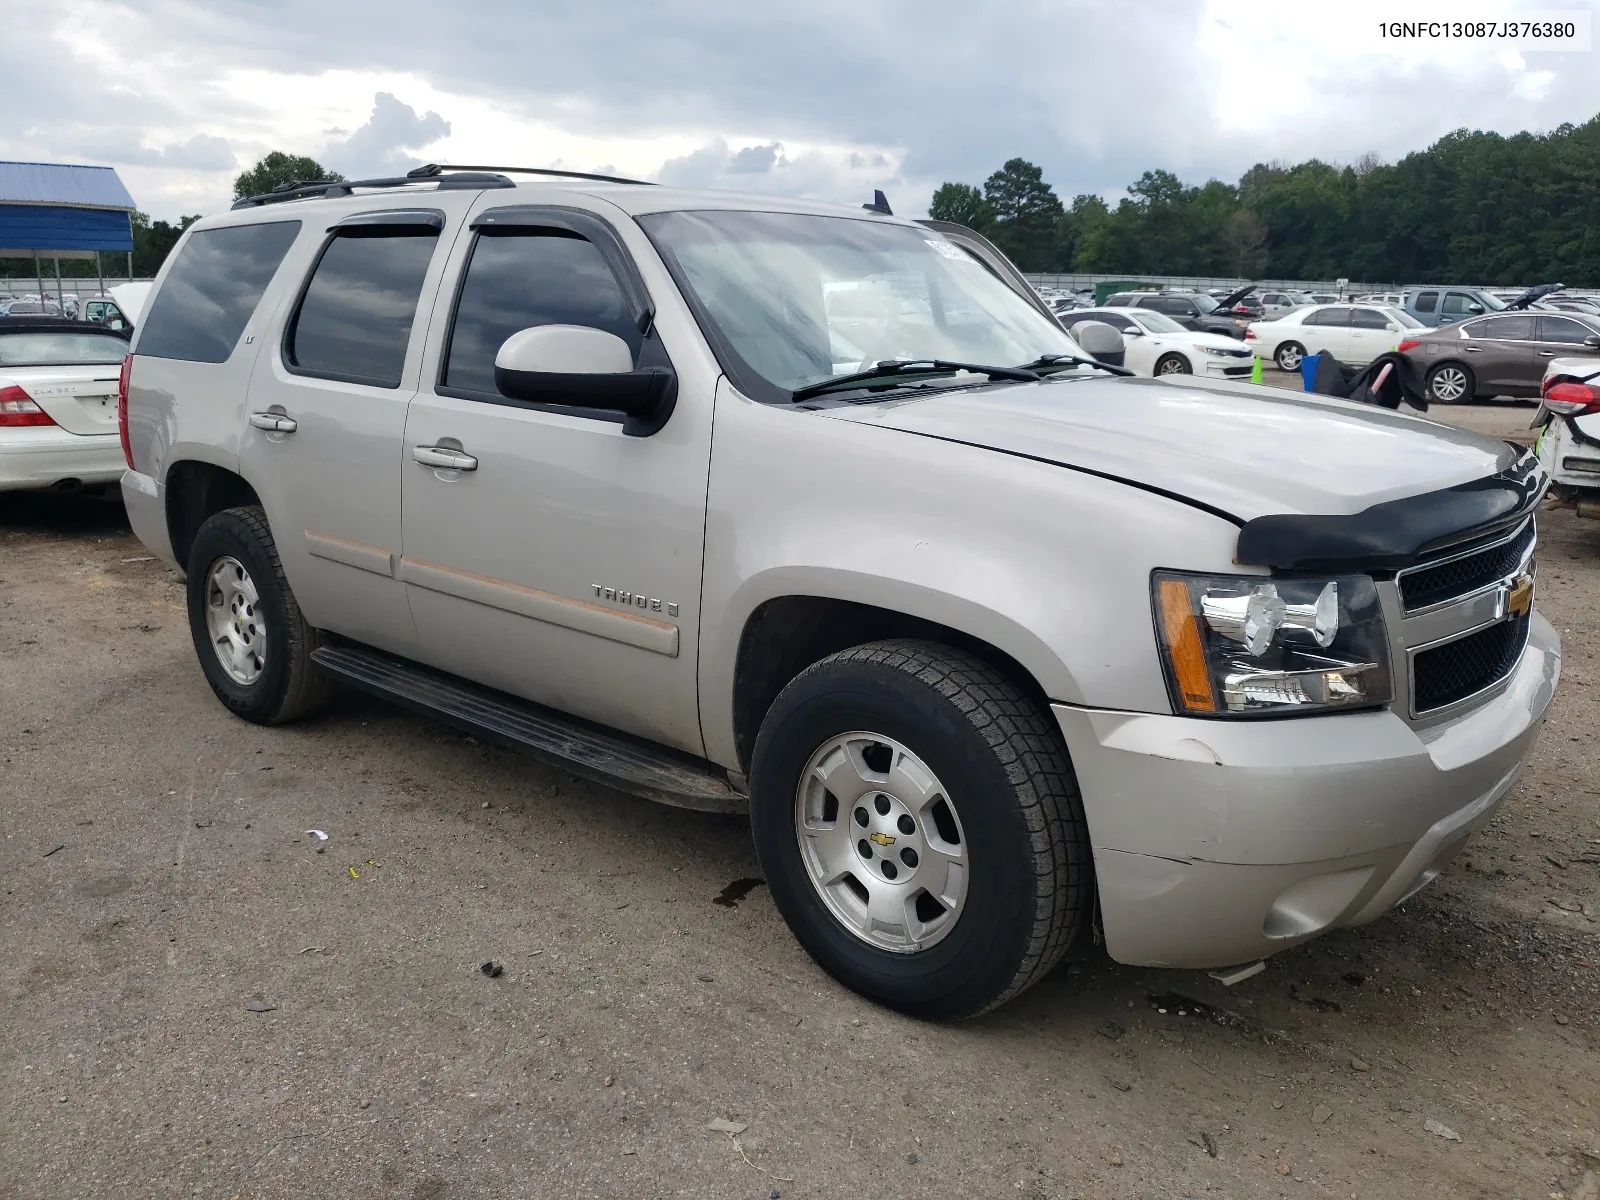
[
  {"x": 1173, "y": 364},
  {"x": 1012, "y": 811},
  {"x": 1451, "y": 383},
  {"x": 1288, "y": 356},
  {"x": 265, "y": 673}
]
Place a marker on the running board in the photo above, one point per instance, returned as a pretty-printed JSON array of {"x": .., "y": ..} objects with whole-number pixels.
[{"x": 626, "y": 763}]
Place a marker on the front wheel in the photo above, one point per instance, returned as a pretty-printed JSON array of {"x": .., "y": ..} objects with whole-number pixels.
[
  {"x": 1289, "y": 356},
  {"x": 1173, "y": 364},
  {"x": 1451, "y": 383},
  {"x": 920, "y": 828},
  {"x": 254, "y": 645}
]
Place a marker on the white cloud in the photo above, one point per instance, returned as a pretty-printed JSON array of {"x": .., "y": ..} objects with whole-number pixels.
[{"x": 828, "y": 100}]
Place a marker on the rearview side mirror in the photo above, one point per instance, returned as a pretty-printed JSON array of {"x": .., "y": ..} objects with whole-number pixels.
[
  {"x": 1592, "y": 341},
  {"x": 575, "y": 366},
  {"x": 1474, "y": 308},
  {"x": 1132, "y": 331},
  {"x": 1100, "y": 341}
]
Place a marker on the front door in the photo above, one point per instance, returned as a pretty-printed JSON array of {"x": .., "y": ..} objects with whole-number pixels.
[
  {"x": 1327, "y": 331},
  {"x": 1370, "y": 335},
  {"x": 1562, "y": 337},
  {"x": 547, "y": 552},
  {"x": 325, "y": 418}
]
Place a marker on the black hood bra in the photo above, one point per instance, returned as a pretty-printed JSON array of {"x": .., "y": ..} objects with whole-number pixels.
[{"x": 1397, "y": 533}]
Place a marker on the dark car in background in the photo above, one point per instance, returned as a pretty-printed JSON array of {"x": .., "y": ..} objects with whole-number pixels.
[
  {"x": 1192, "y": 310},
  {"x": 1498, "y": 354}
]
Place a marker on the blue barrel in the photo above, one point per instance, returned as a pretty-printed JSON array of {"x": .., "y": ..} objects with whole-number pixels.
[{"x": 1308, "y": 370}]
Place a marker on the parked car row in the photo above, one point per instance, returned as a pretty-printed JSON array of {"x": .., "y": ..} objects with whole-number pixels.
[
  {"x": 1155, "y": 344},
  {"x": 1352, "y": 333}
]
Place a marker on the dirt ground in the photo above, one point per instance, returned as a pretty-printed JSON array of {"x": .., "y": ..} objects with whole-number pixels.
[{"x": 199, "y": 997}]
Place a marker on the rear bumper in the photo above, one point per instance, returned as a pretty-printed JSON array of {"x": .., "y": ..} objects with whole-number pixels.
[
  {"x": 42, "y": 457},
  {"x": 1221, "y": 842},
  {"x": 147, "y": 513}
]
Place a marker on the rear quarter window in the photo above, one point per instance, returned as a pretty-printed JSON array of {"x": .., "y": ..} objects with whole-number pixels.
[{"x": 212, "y": 289}]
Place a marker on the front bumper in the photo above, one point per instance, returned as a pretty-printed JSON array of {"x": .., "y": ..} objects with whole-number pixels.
[
  {"x": 43, "y": 456},
  {"x": 1221, "y": 842},
  {"x": 1227, "y": 368}
]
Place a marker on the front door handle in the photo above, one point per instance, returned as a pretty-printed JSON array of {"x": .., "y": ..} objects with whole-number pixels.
[
  {"x": 1473, "y": 349},
  {"x": 274, "y": 422},
  {"x": 444, "y": 459},
  {"x": 1547, "y": 354}
]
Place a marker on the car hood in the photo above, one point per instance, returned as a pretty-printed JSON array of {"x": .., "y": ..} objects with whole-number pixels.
[{"x": 1245, "y": 450}]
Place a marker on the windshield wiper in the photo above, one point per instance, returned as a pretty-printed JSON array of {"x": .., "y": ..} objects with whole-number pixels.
[
  {"x": 1046, "y": 361},
  {"x": 891, "y": 367}
]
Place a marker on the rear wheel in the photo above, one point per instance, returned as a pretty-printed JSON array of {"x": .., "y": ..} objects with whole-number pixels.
[
  {"x": 1451, "y": 383},
  {"x": 1173, "y": 364},
  {"x": 1289, "y": 356},
  {"x": 920, "y": 828},
  {"x": 253, "y": 643}
]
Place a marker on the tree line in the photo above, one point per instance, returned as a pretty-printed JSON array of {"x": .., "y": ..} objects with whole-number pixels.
[{"x": 1473, "y": 207}]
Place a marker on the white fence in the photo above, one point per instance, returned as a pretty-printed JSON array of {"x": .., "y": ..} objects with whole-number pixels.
[{"x": 1202, "y": 283}]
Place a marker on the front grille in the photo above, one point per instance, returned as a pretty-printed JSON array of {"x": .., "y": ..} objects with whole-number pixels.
[
  {"x": 1466, "y": 666},
  {"x": 1461, "y": 576},
  {"x": 1236, "y": 370}
]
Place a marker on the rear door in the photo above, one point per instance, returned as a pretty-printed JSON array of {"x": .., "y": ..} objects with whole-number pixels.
[
  {"x": 1181, "y": 310},
  {"x": 1426, "y": 308},
  {"x": 325, "y": 420},
  {"x": 1327, "y": 330},
  {"x": 1503, "y": 354}
]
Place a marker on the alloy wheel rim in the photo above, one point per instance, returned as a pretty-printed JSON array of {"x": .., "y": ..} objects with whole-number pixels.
[
  {"x": 881, "y": 842},
  {"x": 1173, "y": 366},
  {"x": 234, "y": 621},
  {"x": 1289, "y": 358},
  {"x": 1449, "y": 384}
]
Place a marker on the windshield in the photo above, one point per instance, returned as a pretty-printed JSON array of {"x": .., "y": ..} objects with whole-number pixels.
[
  {"x": 1492, "y": 303},
  {"x": 1406, "y": 320},
  {"x": 801, "y": 299},
  {"x": 1205, "y": 303},
  {"x": 60, "y": 349},
  {"x": 1155, "y": 322}
]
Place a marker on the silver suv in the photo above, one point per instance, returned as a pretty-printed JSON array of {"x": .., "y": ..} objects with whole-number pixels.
[{"x": 752, "y": 503}]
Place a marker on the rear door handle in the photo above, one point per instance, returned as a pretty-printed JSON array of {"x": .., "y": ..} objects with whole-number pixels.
[
  {"x": 448, "y": 460},
  {"x": 1547, "y": 354},
  {"x": 274, "y": 422},
  {"x": 1473, "y": 349}
]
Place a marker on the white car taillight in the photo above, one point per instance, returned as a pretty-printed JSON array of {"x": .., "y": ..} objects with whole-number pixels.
[
  {"x": 18, "y": 409},
  {"x": 1569, "y": 399}
]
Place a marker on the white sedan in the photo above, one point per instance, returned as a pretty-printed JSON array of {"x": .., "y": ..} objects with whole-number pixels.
[
  {"x": 58, "y": 404},
  {"x": 1355, "y": 334},
  {"x": 1155, "y": 344}
]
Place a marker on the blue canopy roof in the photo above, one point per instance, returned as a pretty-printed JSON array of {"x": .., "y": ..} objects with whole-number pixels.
[{"x": 62, "y": 208}]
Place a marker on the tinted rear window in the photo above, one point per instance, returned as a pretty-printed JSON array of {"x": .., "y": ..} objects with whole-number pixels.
[
  {"x": 1426, "y": 301},
  {"x": 206, "y": 300},
  {"x": 354, "y": 322},
  {"x": 1368, "y": 318},
  {"x": 66, "y": 349}
]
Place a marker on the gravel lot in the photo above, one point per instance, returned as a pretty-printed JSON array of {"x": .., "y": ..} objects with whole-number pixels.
[{"x": 201, "y": 998}]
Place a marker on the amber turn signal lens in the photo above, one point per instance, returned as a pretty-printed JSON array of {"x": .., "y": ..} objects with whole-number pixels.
[{"x": 1185, "y": 650}]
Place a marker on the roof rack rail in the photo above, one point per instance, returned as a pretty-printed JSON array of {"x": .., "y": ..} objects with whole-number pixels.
[
  {"x": 331, "y": 188},
  {"x": 434, "y": 168}
]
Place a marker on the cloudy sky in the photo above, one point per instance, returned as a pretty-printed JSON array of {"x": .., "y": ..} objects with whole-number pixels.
[{"x": 828, "y": 99}]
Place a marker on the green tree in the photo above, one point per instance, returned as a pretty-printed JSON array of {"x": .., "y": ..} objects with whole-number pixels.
[
  {"x": 278, "y": 169},
  {"x": 153, "y": 241},
  {"x": 961, "y": 203},
  {"x": 1026, "y": 213}
]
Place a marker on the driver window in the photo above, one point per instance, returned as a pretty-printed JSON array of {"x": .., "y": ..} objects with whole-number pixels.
[{"x": 522, "y": 278}]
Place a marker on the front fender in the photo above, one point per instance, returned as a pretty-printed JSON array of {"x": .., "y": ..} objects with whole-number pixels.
[{"x": 1050, "y": 565}]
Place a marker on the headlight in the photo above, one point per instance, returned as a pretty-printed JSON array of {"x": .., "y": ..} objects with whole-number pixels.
[
  {"x": 1246, "y": 646},
  {"x": 1219, "y": 353}
]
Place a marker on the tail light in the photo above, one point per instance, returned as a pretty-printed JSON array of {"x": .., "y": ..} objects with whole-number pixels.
[
  {"x": 17, "y": 409},
  {"x": 1568, "y": 398},
  {"x": 122, "y": 408},
  {"x": 1249, "y": 334},
  {"x": 1407, "y": 345}
]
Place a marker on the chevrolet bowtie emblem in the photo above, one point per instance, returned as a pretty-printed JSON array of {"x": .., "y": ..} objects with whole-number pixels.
[
  {"x": 1519, "y": 597},
  {"x": 883, "y": 839}
]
